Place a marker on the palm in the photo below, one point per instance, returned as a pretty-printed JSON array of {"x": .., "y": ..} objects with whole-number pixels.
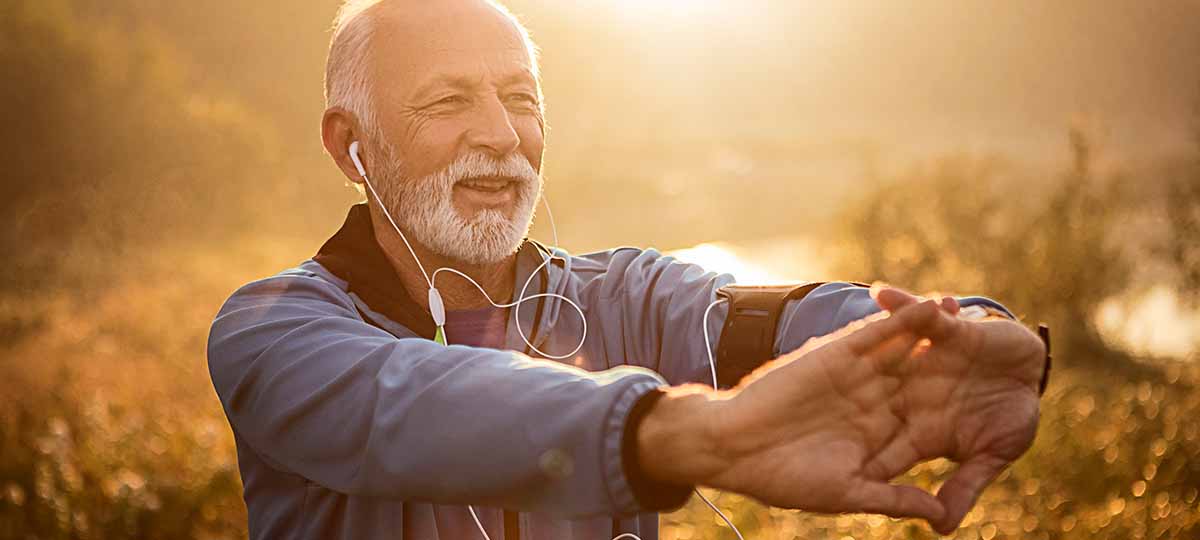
[
  {"x": 972, "y": 397},
  {"x": 833, "y": 422}
]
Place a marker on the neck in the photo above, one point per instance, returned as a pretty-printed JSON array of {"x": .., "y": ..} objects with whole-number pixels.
[{"x": 457, "y": 293}]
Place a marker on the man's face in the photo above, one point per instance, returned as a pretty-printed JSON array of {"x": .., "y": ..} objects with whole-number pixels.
[{"x": 459, "y": 112}]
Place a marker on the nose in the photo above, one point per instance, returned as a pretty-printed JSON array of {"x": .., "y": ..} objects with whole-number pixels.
[{"x": 492, "y": 129}]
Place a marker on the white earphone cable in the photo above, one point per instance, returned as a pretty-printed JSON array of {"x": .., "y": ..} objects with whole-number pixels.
[
  {"x": 397, "y": 227},
  {"x": 480, "y": 525},
  {"x": 521, "y": 298},
  {"x": 707, "y": 343},
  {"x": 712, "y": 364}
]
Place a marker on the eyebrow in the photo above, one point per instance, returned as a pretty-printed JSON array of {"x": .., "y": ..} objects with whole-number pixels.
[
  {"x": 466, "y": 82},
  {"x": 517, "y": 77}
]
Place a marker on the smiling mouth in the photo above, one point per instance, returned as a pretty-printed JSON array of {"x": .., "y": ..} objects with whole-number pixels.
[{"x": 487, "y": 184}]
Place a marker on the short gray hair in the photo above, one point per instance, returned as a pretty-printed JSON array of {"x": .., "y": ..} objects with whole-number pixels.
[{"x": 347, "y": 72}]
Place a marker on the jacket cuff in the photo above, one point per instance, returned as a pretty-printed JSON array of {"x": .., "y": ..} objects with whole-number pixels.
[
  {"x": 652, "y": 496},
  {"x": 985, "y": 304},
  {"x": 630, "y": 489}
]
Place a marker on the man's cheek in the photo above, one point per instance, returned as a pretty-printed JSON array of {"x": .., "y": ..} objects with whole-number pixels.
[
  {"x": 433, "y": 138},
  {"x": 532, "y": 148}
]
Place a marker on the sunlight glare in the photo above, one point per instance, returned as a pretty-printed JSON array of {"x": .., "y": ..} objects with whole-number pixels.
[
  {"x": 720, "y": 257},
  {"x": 672, "y": 8},
  {"x": 1154, "y": 324}
]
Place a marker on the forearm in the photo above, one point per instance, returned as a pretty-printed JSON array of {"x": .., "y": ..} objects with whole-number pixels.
[
  {"x": 827, "y": 426},
  {"x": 677, "y": 440},
  {"x": 680, "y": 442}
]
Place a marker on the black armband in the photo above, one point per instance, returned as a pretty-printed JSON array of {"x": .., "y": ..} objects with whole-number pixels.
[{"x": 748, "y": 337}]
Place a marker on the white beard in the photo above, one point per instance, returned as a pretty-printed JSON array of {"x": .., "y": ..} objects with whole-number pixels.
[{"x": 424, "y": 207}]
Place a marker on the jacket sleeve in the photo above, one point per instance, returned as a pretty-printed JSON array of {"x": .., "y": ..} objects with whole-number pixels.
[
  {"x": 653, "y": 306},
  {"x": 662, "y": 305},
  {"x": 320, "y": 393},
  {"x": 834, "y": 305}
]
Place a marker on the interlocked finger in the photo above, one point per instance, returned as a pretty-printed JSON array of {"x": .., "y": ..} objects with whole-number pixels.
[{"x": 877, "y": 331}]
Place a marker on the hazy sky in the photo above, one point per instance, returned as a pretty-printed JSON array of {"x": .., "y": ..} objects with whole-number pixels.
[
  {"x": 927, "y": 75},
  {"x": 649, "y": 99},
  {"x": 924, "y": 76}
]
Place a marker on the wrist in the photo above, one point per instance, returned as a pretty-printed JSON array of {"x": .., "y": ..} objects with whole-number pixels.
[{"x": 675, "y": 440}]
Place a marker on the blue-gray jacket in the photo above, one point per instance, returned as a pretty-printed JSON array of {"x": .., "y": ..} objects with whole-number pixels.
[{"x": 350, "y": 423}]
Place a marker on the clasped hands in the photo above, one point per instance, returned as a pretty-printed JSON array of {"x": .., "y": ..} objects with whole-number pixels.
[{"x": 826, "y": 428}]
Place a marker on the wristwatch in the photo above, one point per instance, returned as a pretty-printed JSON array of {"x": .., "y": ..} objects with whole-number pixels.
[{"x": 978, "y": 312}]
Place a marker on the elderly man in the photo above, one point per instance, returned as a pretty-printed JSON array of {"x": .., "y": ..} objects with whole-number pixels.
[{"x": 366, "y": 407}]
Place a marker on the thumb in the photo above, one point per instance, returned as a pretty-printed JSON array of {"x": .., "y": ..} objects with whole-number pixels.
[
  {"x": 960, "y": 492},
  {"x": 898, "y": 501}
]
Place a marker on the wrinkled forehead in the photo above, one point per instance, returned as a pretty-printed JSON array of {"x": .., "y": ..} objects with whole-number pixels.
[{"x": 417, "y": 42}]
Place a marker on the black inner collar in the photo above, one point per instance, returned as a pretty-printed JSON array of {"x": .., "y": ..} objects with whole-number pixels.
[{"x": 354, "y": 256}]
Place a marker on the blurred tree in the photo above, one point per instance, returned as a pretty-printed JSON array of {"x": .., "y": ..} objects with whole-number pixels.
[
  {"x": 1182, "y": 245},
  {"x": 971, "y": 225},
  {"x": 108, "y": 152}
]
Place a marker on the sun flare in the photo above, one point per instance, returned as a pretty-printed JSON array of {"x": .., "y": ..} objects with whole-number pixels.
[{"x": 661, "y": 8}]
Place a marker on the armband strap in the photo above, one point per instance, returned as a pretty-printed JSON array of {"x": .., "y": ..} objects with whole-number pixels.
[
  {"x": 748, "y": 337},
  {"x": 1044, "y": 333}
]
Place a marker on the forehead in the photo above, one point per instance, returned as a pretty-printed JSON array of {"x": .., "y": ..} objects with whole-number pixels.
[{"x": 416, "y": 43}]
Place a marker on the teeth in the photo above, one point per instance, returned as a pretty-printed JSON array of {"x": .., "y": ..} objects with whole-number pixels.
[{"x": 487, "y": 186}]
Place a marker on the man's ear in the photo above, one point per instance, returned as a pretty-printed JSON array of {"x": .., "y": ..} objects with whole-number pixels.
[{"x": 339, "y": 128}]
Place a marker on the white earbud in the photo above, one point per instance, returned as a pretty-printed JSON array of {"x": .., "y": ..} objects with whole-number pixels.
[{"x": 362, "y": 171}]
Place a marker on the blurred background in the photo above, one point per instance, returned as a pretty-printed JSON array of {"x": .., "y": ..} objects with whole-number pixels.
[{"x": 160, "y": 154}]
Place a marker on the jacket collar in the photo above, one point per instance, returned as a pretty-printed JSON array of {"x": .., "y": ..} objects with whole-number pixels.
[{"x": 354, "y": 255}]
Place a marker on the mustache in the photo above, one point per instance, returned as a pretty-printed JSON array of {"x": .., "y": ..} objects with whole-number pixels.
[{"x": 477, "y": 164}]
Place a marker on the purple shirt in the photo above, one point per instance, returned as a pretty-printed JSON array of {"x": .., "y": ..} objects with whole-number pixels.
[{"x": 483, "y": 327}]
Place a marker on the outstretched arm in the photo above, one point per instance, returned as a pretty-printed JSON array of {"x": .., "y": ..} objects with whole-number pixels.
[{"x": 825, "y": 428}]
